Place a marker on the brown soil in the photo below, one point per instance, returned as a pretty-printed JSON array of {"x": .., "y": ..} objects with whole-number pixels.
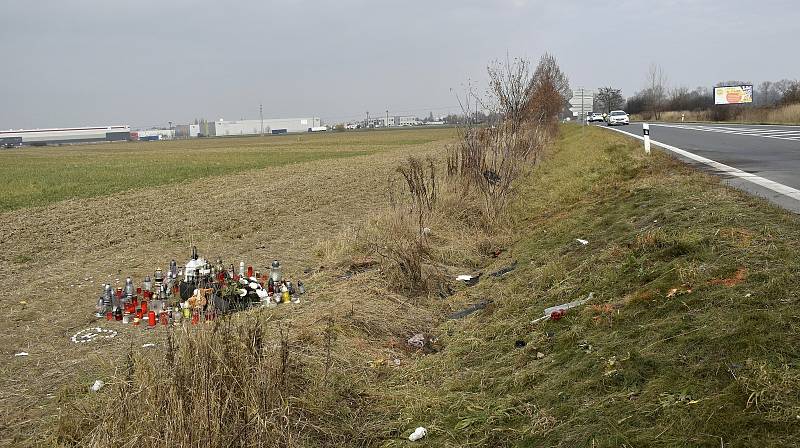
[{"x": 55, "y": 259}]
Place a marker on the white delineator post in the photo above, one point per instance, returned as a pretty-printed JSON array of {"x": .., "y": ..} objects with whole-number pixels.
[{"x": 646, "y": 133}]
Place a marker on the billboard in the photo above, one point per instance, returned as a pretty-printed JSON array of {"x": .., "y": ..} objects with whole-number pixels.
[{"x": 742, "y": 94}]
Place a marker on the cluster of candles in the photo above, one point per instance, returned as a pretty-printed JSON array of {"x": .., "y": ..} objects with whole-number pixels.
[{"x": 170, "y": 300}]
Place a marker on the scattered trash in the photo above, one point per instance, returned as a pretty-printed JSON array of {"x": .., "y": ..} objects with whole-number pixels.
[
  {"x": 585, "y": 346},
  {"x": 418, "y": 340},
  {"x": 148, "y": 345},
  {"x": 539, "y": 355},
  {"x": 584, "y": 242},
  {"x": 418, "y": 433},
  {"x": 748, "y": 295},
  {"x": 98, "y": 384},
  {"x": 21, "y": 354},
  {"x": 23, "y": 302},
  {"x": 491, "y": 177},
  {"x": 505, "y": 270},
  {"x": 558, "y": 311},
  {"x": 90, "y": 334},
  {"x": 469, "y": 310},
  {"x": 519, "y": 343},
  {"x": 396, "y": 362},
  {"x": 469, "y": 280}
]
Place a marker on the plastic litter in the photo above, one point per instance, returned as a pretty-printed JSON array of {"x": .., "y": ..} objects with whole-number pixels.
[
  {"x": 469, "y": 310},
  {"x": 21, "y": 354},
  {"x": 558, "y": 311},
  {"x": 148, "y": 345},
  {"x": 418, "y": 340},
  {"x": 470, "y": 280},
  {"x": 505, "y": 270},
  {"x": 98, "y": 384},
  {"x": 584, "y": 242},
  {"x": 418, "y": 433}
]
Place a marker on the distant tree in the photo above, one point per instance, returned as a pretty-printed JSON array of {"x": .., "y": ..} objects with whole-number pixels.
[
  {"x": 609, "y": 98},
  {"x": 681, "y": 98},
  {"x": 656, "y": 91},
  {"x": 547, "y": 92}
]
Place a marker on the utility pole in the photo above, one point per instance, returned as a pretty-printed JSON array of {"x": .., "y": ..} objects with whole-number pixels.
[
  {"x": 261, "y": 113},
  {"x": 387, "y": 118},
  {"x": 367, "y": 123},
  {"x": 583, "y": 114}
]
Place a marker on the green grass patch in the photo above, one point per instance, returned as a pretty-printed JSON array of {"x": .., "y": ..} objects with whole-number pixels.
[
  {"x": 692, "y": 339},
  {"x": 40, "y": 176}
]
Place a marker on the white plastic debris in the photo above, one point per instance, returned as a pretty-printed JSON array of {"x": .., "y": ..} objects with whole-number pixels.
[
  {"x": 563, "y": 307},
  {"x": 148, "y": 345},
  {"x": 464, "y": 278},
  {"x": 98, "y": 384},
  {"x": 21, "y": 354},
  {"x": 584, "y": 242},
  {"x": 91, "y": 334},
  {"x": 418, "y": 340},
  {"x": 418, "y": 433}
]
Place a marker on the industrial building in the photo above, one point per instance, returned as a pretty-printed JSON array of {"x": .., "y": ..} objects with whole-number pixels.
[
  {"x": 41, "y": 137},
  {"x": 149, "y": 135},
  {"x": 222, "y": 128},
  {"x": 391, "y": 121},
  {"x": 187, "y": 130}
]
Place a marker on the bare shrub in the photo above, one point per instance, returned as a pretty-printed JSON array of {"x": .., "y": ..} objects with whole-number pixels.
[
  {"x": 405, "y": 251},
  {"x": 421, "y": 183}
]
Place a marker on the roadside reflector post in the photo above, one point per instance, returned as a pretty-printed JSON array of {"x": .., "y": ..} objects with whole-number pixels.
[{"x": 646, "y": 133}]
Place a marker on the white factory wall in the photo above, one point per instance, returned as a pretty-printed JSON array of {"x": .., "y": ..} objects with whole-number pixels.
[
  {"x": 253, "y": 127},
  {"x": 165, "y": 134},
  {"x": 63, "y": 134}
]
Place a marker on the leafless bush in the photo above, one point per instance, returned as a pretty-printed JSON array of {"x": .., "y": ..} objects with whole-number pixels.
[{"x": 421, "y": 183}]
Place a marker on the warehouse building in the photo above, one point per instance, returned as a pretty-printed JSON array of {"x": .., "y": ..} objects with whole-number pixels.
[
  {"x": 222, "y": 128},
  {"x": 42, "y": 137}
]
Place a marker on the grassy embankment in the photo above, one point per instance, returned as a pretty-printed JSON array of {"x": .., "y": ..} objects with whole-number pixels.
[
  {"x": 691, "y": 338},
  {"x": 789, "y": 114},
  {"x": 40, "y": 176}
]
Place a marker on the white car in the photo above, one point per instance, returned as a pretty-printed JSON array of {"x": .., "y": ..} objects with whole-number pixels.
[
  {"x": 618, "y": 117},
  {"x": 594, "y": 116}
]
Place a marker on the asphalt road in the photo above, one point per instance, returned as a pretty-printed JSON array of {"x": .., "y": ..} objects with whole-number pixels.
[{"x": 761, "y": 159}]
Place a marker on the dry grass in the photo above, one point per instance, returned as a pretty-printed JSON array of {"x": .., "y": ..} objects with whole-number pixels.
[
  {"x": 789, "y": 114},
  {"x": 50, "y": 252}
]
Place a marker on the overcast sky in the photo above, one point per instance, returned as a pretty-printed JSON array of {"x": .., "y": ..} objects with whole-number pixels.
[{"x": 146, "y": 62}]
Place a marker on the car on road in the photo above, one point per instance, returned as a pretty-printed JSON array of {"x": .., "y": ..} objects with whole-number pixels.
[
  {"x": 594, "y": 116},
  {"x": 618, "y": 117}
]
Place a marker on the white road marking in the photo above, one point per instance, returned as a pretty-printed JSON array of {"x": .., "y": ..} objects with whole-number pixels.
[
  {"x": 779, "y": 134},
  {"x": 736, "y": 172}
]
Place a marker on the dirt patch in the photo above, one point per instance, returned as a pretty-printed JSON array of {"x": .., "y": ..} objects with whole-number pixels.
[
  {"x": 738, "y": 277},
  {"x": 56, "y": 257}
]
